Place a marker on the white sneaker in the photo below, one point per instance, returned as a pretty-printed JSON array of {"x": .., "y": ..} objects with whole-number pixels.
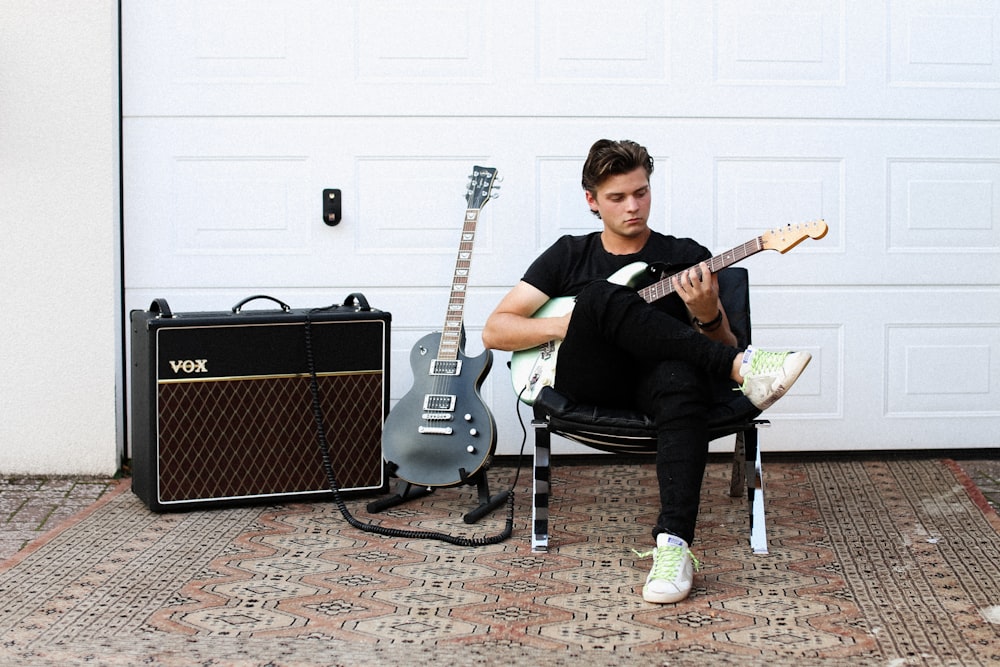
[
  {"x": 672, "y": 575},
  {"x": 768, "y": 375}
]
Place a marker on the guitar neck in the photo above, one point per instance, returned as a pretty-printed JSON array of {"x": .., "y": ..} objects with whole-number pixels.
[
  {"x": 451, "y": 333},
  {"x": 664, "y": 286},
  {"x": 480, "y": 190}
]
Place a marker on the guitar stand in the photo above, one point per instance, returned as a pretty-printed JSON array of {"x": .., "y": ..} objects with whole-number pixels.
[
  {"x": 408, "y": 492},
  {"x": 487, "y": 503}
]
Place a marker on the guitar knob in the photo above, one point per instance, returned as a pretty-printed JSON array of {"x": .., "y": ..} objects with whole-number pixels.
[
  {"x": 468, "y": 417},
  {"x": 473, "y": 432},
  {"x": 470, "y": 449}
]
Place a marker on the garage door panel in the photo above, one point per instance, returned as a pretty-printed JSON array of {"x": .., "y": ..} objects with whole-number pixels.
[
  {"x": 945, "y": 45},
  {"x": 777, "y": 42},
  {"x": 883, "y": 368},
  {"x": 897, "y": 196},
  {"x": 229, "y": 201},
  {"x": 944, "y": 205},
  {"x": 454, "y": 45},
  {"x": 240, "y": 204},
  {"x": 232, "y": 57},
  {"x": 626, "y": 48},
  {"x": 942, "y": 370},
  {"x": 405, "y": 202},
  {"x": 818, "y": 393},
  {"x": 242, "y": 201},
  {"x": 758, "y": 195},
  {"x": 816, "y": 59}
]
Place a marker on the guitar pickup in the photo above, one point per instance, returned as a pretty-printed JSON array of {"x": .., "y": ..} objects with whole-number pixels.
[
  {"x": 437, "y": 416},
  {"x": 439, "y": 403},
  {"x": 446, "y": 367},
  {"x": 435, "y": 430}
]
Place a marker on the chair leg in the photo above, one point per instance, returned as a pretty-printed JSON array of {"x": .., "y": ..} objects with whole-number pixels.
[
  {"x": 755, "y": 494},
  {"x": 738, "y": 478},
  {"x": 541, "y": 488}
]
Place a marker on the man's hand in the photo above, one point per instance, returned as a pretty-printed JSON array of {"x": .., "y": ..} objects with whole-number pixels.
[{"x": 698, "y": 288}]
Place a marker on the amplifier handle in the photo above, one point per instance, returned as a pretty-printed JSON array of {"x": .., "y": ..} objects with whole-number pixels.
[
  {"x": 359, "y": 301},
  {"x": 236, "y": 309},
  {"x": 160, "y": 307}
]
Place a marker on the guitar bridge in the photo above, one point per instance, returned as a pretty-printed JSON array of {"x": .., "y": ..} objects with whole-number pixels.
[{"x": 434, "y": 430}]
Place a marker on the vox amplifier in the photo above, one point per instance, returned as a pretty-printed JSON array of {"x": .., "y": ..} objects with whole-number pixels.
[{"x": 222, "y": 406}]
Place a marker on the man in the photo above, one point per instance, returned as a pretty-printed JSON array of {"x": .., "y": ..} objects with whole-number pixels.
[{"x": 665, "y": 358}]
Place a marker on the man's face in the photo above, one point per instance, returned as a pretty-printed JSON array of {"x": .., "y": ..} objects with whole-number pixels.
[{"x": 623, "y": 202}]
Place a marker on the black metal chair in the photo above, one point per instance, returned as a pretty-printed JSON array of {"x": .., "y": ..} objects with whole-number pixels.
[{"x": 629, "y": 432}]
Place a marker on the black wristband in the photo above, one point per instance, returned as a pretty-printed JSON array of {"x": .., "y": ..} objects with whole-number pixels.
[{"x": 714, "y": 324}]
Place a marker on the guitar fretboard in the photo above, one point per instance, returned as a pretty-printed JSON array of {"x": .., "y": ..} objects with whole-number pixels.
[
  {"x": 664, "y": 286},
  {"x": 451, "y": 334}
]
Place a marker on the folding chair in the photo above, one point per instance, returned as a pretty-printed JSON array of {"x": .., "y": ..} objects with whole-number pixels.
[{"x": 621, "y": 431}]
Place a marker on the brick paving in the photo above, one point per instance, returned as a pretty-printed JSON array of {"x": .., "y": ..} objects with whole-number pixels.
[
  {"x": 31, "y": 506},
  {"x": 986, "y": 474}
]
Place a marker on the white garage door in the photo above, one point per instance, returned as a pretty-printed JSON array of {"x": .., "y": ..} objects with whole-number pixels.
[{"x": 879, "y": 117}]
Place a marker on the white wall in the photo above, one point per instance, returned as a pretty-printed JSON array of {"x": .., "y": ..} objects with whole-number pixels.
[{"x": 59, "y": 275}]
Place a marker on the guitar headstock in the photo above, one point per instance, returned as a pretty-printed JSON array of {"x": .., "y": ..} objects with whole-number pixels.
[
  {"x": 481, "y": 188},
  {"x": 785, "y": 238}
]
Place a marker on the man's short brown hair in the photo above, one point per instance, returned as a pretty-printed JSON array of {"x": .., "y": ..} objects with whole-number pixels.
[{"x": 610, "y": 158}]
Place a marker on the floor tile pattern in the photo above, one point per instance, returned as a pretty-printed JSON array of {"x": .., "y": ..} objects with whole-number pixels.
[{"x": 870, "y": 560}]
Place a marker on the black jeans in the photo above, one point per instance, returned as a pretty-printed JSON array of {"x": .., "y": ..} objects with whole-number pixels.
[{"x": 623, "y": 352}]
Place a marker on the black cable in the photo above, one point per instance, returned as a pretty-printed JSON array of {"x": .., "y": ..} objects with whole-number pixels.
[{"x": 335, "y": 486}]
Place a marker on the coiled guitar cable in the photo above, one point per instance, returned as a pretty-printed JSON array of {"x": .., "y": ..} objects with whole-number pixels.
[{"x": 331, "y": 476}]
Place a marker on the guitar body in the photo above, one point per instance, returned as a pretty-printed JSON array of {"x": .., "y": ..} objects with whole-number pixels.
[
  {"x": 441, "y": 431},
  {"x": 535, "y": 368}
]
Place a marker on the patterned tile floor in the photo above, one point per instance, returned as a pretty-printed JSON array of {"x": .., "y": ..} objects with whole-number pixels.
[{"x": 32, "y": 506}]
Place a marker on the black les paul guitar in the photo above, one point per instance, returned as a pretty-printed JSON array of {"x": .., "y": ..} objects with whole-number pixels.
[{"x": 441, "y": 432}]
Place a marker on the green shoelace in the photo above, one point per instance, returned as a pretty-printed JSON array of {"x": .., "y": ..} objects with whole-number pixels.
[
  {"x": 763, "y": 362},
  {"x": 667, "y": 561}
]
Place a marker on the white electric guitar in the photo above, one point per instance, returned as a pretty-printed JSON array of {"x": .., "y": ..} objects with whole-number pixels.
[{"x": 535, "y": 367}]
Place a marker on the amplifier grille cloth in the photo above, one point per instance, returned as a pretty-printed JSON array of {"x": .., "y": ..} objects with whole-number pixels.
[{"x": 249, "y": 437}]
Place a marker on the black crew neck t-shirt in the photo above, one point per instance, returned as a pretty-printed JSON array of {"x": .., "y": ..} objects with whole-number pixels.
[{"x": 572, "y": 262}]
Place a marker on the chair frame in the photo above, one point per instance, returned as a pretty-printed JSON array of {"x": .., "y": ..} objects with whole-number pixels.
[{"x": 746, "y": 472}]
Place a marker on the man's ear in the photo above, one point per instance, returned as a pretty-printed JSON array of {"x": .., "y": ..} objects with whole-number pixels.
[{"x": 591, "y": 200}]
